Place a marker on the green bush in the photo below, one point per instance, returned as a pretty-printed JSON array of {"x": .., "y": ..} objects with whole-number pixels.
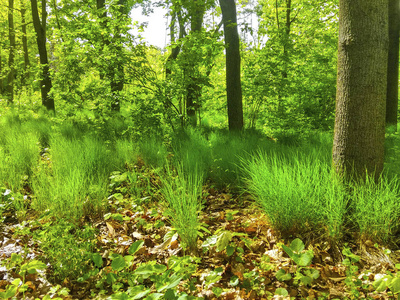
[{"x": 67, "y": 248}]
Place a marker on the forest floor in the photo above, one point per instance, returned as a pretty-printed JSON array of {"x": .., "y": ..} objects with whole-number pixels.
[{"x": 240, "y": 256}]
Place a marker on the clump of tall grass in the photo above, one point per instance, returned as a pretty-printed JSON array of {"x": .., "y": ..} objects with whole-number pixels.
[
  {"x": 153, "y": 152},
  {"x": 298, "y": 192},
  {"x": 19, "y": 153},
  {"x": 126, "y": 150},
  {"x": 228, "y": 149},
  {"x": 376, "y": 208},
  {"x": 182, "y": 192},
  {"x": 192, "y": 150},
  {"x": 74, "y": 180}
]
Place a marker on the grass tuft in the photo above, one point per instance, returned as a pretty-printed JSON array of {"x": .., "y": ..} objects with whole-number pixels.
[
  {"x": 182, "y": 191},
  {"x": 376, "y": 208},
  {"x": 297, "y": 191}
]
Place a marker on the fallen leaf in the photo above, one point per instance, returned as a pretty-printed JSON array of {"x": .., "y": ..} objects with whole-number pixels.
[{"x": 110, "y": 229}]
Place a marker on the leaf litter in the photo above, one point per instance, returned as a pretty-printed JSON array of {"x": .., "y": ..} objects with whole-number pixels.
[{"x": 241, "y": 257}]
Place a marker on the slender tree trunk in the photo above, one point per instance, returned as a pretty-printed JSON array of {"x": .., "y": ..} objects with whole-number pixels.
[
  {"x": 233, "y": 81},
  {"x": 175, "y": 50},
  {"x": 193, "y": 88},
  {"x": 286, "y": 38},
  {"x": 40, "y": 29},
  {"x": 24, "y": 44},
  {"x": 11, "y": 36},
  {"x": 393, "y": 64},
  {"x": 358, "y": 148},
  {"x": 115, "y": 70},
  {"x": 1, "y": 72}
]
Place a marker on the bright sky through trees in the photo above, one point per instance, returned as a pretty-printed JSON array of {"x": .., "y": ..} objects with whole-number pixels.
[{"x": 155, "y": 33}]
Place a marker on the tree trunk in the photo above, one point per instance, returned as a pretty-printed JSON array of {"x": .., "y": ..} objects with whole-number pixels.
[
  {"x": 193, "y": 88},
  {"x": 393, "y": 64},
  {"x": 115, "y": 70},
  {"x": 175, "y": 50},
  {"x": 286, "y": 39},
  {"x": 24, "y": 44},
  {"x": 1, "y": 73},
  {"x": 40, "y": 29},
  {"x": 233, "y": 82},
  {"x": 11, "y": 36},
  {"x": 358, "y": 148}
]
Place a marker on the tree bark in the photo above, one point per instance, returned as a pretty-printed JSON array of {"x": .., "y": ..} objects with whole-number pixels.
[
  {"x": 393, "y": 64},
  {"x": 233, "y": 81},
  {"x": 40, "y": 29},
  {"x": 24, "y": 44},
  {"x": 193, "y": 88},
  {"x": 286, "y": 38},
  {"x": 358, "y": 148},
  {"x": 1, "y": 71},
  {"x": 11, "y": 36},
  {"x": 115, "y": 69}
]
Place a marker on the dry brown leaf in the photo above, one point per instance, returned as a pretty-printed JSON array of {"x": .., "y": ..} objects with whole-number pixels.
[{"x": 110, "y": 229}]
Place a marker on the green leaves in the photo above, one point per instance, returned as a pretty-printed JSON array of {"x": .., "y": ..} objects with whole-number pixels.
[
  {"x": 221, "y": 241},
  {"x": 118, "y": 262},
  {"x": 301, "y": 259},
  {"x": 150, "y": 269},
  {"x": 135, "y": 247},
  {"x": 304, "y": 275},
  {"x": 97, "y": 259},
  {"x": 32, "y": 267},
  {"x": 281, "y": 275},
  {"x": 383, "y": 282},
  {"x": 11, "y": 290}
]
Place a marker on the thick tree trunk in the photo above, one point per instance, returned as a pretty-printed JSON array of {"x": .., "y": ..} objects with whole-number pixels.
[
  {"x": 40, "y": 29},
  {"x": 233, "y": 81},
  {"x": 393, "y": 64},
  {"x": 358, "y": 148},
  {"x": 11, "y": 36}
]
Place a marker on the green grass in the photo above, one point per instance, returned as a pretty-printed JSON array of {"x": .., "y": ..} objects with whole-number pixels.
[
  {"x": 73, "y": 182},
  {"x": 67, "y": 164},
  {"x": 153, "y": 152},
  {"x": 296, "y": 191},
  {"x": 19, "y": 153},
  {"x": 376, "y": 208},
  {"x": 182, "y": 192},
  {"x": 192, "y": 150}
]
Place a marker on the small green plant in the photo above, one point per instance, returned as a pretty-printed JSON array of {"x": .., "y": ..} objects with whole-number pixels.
[
  {"x": 71, "y": 258},
  {"x": 222, "y": 241},
  {"x": 148, "y": 279},
  {"x": 389, "y": 281},
  {"x": 22, "y": 269},
  {"x": 304, "y": 274},
  {"x": 352, "y": 282}
]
